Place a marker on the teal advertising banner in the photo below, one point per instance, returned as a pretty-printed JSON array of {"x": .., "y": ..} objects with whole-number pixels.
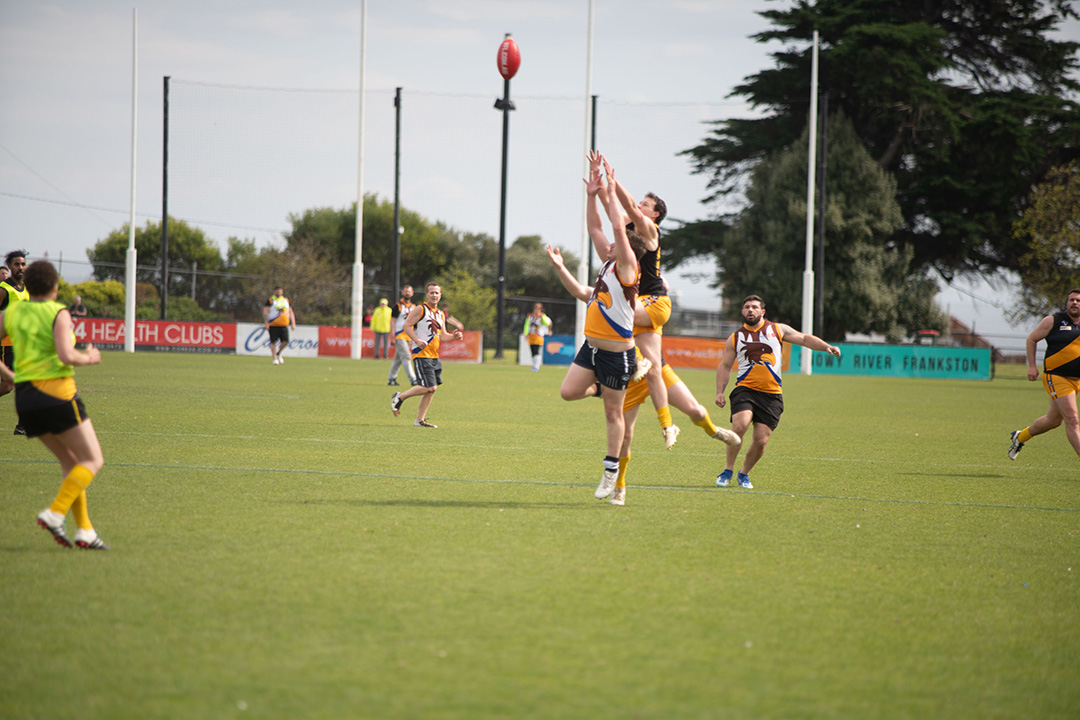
[{"x": 914, "y": 361}]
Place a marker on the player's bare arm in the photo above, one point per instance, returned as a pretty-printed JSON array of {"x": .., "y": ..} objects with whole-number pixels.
[
  {"x": 626, "y": 260},
  {"x": 414, "y": 317},
  {"x": 593, "y": 222},
  {"x": 643, "y": 224},
  {"x": 65, "y": 351},
  {"x": 596, "y": 161},
  {"x": 723, "y": 373},
  {"x": 1038, "y": 334},
  {"x": 809, "y": 341},
  {"x": 581, "y": 292}
]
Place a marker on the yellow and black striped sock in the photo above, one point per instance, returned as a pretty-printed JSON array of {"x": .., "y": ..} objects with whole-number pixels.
[
  {"x": 620, "y": 482},
  {"x": 74, "y": 485},
  {"x": 706, "y": 424}
]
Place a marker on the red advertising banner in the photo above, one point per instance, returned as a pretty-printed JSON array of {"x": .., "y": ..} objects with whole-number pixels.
[
  {"x": 692, "y": 352},
  {"x": 337, "y": 342},
  {"x": 158, "y": 335},
  {"x": 703, "y": 353}
]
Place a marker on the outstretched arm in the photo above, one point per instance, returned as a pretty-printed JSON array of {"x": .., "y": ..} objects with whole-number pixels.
[
  {"x": 644, "y": 225},
  {"x": 810, "y": 341},
  {"x": 627, "y": 261},
  {"x": 594, "y": 223},
  {"x": 596, "y": 162},
  {"x": 581, "y": 292}
]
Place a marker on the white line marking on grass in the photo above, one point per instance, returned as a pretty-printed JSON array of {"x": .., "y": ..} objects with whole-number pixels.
[
  {"x": 495, "y": 481},
  {"x": 592, "y": 450}
]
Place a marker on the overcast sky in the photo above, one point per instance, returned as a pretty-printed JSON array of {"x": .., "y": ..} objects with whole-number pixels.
[{"x": 65, "y": 109}]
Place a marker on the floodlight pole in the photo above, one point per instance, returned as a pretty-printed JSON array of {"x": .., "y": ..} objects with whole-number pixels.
[
  {"x": 805, "y": 359},
  {"x": 397, "y": 191},
  {"x": 132, "y": 255},
  {"x": 165, "y": 206},
  {"x": 357, "y": 329},
  {"x": 508, "y": 60},
  {"x": 584, "y": 274}
]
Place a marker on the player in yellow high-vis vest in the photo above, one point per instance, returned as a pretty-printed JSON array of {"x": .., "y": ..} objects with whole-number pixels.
[
  {"x": 11, "y": 292},
  {"x": 47, "y": 401}
]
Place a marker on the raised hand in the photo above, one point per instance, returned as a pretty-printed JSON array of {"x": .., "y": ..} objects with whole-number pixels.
[
  {"x": 556, "y": 256},
  {"x": 595, "y": 183}
]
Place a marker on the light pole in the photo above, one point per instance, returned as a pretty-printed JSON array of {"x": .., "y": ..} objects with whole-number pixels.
[{"x": 508, "y": 60}]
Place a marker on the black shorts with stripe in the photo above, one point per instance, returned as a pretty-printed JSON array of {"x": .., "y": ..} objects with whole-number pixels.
[
  {"x": 766, "y": 407},
  {"x": 428, "y": 371},
  {"x": 612, "y": 369},
  {"x": 41, "y": 413}
]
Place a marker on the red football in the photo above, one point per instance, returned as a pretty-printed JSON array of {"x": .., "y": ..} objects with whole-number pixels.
[{"x": 509, "y": 58}]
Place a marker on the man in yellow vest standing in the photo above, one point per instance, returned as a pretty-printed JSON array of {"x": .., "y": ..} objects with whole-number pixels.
[
  {"x": 11, "y": 292},
  {"x": 278, "y": 317},
  {"x": 381, "y": 322}
]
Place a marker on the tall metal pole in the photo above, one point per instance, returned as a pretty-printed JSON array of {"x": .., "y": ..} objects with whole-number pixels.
[
  {"x": 586, "y": 246},
  {"x": 819, "y": 322},
  {"x": 356, "y": 333},
  {"x": 501, "y": 307},
  {"x": 592, "y": 145},
  {"x": 132, "y": 255},
  {"x": 811, "y": 171},
  {"x": 165, "y": 207},
  {"x": 397, "y": 191}
]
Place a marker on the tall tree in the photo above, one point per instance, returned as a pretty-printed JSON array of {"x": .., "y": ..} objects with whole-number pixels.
[
  {"x": 423, "y": 244},
  {"x": 868, "y": 287},
  {"x": 1050, "y": 228},
  {"x": 189, "y": 249},
  {"x": 966, "y": 103}
]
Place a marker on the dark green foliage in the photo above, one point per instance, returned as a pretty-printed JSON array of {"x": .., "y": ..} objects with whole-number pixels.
[
  {"x": 1050, "y": 228},
  {"x": 315, "y": 267},
  {"x": 966, "y": 103}
]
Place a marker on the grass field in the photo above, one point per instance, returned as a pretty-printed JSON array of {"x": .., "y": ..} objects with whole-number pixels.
[{"x": 283, "y": 547}]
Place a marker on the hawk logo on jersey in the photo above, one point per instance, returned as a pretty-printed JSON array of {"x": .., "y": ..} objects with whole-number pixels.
[{"x": 754, "y": 351}]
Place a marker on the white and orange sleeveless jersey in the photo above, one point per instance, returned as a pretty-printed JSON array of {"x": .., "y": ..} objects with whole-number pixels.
[
  {"x": 610, "y": 315},
  {"x": 428, "y": 329},
  {"x": 759, "y": 353}
]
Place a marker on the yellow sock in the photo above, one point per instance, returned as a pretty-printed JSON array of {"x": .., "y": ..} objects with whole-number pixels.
[
  {"x": 707, "y": 425},
  {"x": 73, "y": 486},
  {"x": 620, "y": 482},
  {"x": 637, "y": 355},
  {"x": 664, "y": 414},
  {"x": 1024, "y": 436},
  {"x": 79, "y": 512}
]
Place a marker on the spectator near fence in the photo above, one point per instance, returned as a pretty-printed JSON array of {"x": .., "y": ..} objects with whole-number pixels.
[
  {"x": 381, "y": 322},
  {"x": 77, "y": 309}
]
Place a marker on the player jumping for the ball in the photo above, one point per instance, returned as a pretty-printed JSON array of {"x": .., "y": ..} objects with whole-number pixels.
[
  {"x": 607, "y": 356},
  {"x": 653, "y": 306}
]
